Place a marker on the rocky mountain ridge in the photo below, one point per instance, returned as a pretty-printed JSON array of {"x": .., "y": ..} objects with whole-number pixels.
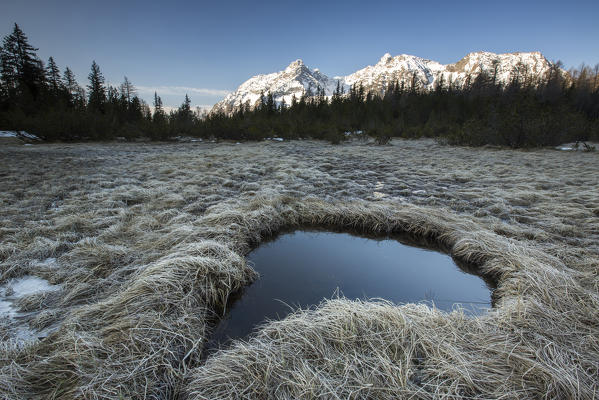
[{"x": 408, "y": 70}]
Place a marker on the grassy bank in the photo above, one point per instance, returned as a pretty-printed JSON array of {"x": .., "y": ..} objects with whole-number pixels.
[{"x": 148, "y": 242}]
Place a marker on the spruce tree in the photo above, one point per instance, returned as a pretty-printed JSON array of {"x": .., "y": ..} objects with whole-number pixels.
[
  {"x": 159, "y": 121},
  {"x": 184, "y": 116},
  {"x": 22, "y": 72},
  {"x": 270, "y": 103},
  {"x": 53, "y": 77},
  {"x": 97, "y": 90},
  {"x": 135, "y": 110},
  {"x": 185, "y": 108},
  {"x": 262, "y": 105},
  {"x": 337, "y": 93},
  {"x": 157, "y": 103},
  {"x": 184, "y": 113},
  {"x": 159, "y": 115}
]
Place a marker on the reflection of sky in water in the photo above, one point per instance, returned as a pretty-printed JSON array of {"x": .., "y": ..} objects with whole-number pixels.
[{"x": 302, "y": 268}]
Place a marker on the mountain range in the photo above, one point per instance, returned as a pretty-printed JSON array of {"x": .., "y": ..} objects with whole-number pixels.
[{"x": 297, "y": 78}]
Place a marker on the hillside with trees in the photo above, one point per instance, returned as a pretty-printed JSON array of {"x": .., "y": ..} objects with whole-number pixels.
[{"x": 528, "y": 112}]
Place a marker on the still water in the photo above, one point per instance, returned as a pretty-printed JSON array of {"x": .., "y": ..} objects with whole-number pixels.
[{"x": 304, "y": 267}]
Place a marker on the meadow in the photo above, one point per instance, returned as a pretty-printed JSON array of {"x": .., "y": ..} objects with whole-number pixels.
[{"x": 146, "y": 242}]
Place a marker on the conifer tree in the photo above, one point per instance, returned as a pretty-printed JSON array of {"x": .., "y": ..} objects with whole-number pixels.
[
  {"x": 337, "y": 93},
  {"x": 184, "y": 114},
  {"x": 128, "y": 91},
  {"x": 53, "y": 77},
  {"x": 158, "y": 110},
  {"x": 270, "y": 103},
  {"x": 112, "y": 96},
  {"x": 159, "y": 127},
  {"x": 75, "y": 93},
  {"x": 97, "y": 90},
  {"x": 135, "y": 109},
  {"x": 262, "y": 105},
  {"x": 185, "y": 109},
  {"x": 22, "y": 72}
]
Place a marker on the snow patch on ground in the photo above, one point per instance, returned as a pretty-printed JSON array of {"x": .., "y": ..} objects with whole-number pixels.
[
  {"x": 15, "y": 289},
  {"x": 27, "y": 285},
  {"x": 578, "y": 146},
  {"x": 18, "y": 134}
]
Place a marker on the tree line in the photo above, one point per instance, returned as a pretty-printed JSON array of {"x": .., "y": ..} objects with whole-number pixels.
[
  {"x": 528, "y": 111},
  {"x": 38, "y": 98}
]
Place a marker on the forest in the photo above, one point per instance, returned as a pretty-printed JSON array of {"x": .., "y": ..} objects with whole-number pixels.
[{"x": 528, "y": 112}]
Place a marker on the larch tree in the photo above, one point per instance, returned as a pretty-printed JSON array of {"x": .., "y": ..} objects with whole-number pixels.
[{"x": 128, "y": 91}]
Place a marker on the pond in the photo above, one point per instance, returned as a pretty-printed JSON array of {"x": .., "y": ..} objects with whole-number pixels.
[{"x": 302, "y": 268}]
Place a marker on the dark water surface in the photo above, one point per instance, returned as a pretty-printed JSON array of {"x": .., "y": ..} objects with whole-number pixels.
[{"x": 304, "y": 267}]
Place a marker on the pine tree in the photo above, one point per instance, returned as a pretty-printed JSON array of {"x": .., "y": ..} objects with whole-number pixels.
[{"x": 97, "y": 90}]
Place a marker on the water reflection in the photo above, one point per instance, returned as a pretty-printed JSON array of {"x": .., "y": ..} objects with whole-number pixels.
[{"x": 299, "y": 269}]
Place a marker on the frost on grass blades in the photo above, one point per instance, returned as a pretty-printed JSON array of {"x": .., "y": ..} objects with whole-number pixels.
[
  {"x": 303, "y": 268},
  {"x": 14, "y": 321},
  {"x": 150, "y": 242}
]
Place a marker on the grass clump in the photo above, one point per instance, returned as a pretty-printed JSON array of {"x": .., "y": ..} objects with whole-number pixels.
[{"x": 147, "y": 260}]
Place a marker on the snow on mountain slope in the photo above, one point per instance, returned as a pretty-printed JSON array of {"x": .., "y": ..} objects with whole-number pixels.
[
  {"x": 400, "y": 68},
  {"x": 296, "y": 79},
  {"x": 509, "y": 66},
  {"x": 405, "y": 69}
]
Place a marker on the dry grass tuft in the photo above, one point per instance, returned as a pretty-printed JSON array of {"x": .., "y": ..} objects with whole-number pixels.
[{"x": 148, "y": 241}]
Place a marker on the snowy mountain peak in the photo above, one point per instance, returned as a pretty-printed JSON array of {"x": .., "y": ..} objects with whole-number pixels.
[
  {"x": 295, "y": 80},
  {"x": 504, "y": 66},
  {"x": 405, "y": 69},
  {"x": 295, "y": 66},
  {"x": 385, "y": 59}
]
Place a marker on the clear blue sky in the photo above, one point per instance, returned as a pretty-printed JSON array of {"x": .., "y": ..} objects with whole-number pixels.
[{"x": 209, "y": 47}]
